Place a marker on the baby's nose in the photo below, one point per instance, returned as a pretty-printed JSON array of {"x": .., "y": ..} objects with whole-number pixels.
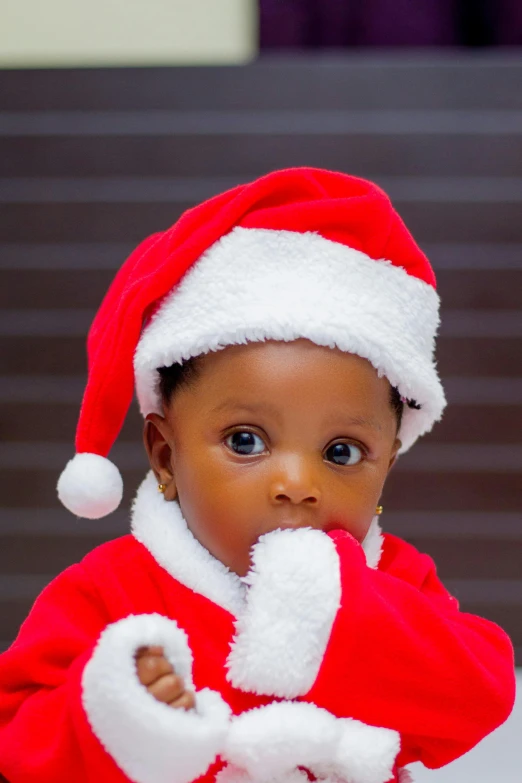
[{"x": 295, "y": 482}]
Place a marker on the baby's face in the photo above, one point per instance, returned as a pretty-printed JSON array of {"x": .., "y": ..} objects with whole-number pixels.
[{"x": 275, "y": 435}]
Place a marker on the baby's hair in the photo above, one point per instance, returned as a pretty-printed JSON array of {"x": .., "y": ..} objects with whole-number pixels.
[
  {"x": 397, "y": 404},
  {"x": 178, "y": 375}
]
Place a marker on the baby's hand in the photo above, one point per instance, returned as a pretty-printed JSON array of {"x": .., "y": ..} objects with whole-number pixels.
[{"x": 158, "y": 676}]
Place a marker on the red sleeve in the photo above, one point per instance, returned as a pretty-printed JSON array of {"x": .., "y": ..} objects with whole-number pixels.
[
  {"x": 401, "y": 655},
  {"x": 44, "y": 733},
  {"x": 71, "y": 704}
]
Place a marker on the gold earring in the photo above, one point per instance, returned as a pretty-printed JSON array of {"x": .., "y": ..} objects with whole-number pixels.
[
  {"x": 162, "y": 488},
  {"x": 379, "y": 510}
]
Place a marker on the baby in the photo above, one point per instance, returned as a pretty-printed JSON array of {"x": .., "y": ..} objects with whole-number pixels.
[
  {"x": 268, "y": 436},
  {"x": 257, "y": 626}
]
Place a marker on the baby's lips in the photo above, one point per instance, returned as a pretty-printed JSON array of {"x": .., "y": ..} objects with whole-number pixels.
[{"x": 294, "y": 524}]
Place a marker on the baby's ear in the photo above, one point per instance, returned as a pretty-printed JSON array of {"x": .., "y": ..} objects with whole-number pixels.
[{"x": 157, "y": 440}]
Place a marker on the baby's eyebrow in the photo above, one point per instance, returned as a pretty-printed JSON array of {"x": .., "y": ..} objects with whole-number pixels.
[
  {"x": 360, "y": 421},
  {"x": 250, "y": 407},
  {"x": 337, "y": 419}
]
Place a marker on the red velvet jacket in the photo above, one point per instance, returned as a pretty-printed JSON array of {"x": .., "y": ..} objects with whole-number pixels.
[{"x": 359, "y": 661}]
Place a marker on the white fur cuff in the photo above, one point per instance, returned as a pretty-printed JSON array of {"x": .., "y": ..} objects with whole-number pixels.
[
  {"x": 150, "y": 742},
  {"x": 270, "y": 744},
  {"x": 293, "y": 597}
]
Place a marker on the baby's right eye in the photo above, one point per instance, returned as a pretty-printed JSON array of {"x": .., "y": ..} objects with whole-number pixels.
[{"x": 244, "y": 442}]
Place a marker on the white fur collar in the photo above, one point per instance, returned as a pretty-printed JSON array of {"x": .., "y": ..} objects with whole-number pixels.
[
  {"x": 159, "y": 525},
  {"x": 373, "y": 543}
]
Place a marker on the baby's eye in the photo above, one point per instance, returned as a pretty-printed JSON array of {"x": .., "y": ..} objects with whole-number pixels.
[
  {"x": 343, "y": 454},
  {"x": 245, "y": 443}
]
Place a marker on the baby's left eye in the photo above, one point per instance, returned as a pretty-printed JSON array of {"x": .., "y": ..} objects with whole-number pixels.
[
  {"x": 343, "y": 454},
  {"x": 245, "y": 443}
]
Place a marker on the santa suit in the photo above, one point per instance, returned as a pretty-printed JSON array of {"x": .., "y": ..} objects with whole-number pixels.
[{"x": 329, "y": 660}]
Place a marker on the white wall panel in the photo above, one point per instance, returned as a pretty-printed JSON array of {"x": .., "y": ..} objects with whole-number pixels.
[{"x": 34, "y": 33}]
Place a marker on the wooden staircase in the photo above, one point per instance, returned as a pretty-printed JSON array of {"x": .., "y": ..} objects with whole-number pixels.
[{"x": 91, "y": 161}]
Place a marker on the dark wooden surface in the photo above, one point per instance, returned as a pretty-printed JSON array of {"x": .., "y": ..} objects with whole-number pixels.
[{"x": 93, "y": 160}]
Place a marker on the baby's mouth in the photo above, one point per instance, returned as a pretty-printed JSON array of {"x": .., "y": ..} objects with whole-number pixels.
[
  {"x": 294, "y": 525},
  {"x": 297, "y": 522}
]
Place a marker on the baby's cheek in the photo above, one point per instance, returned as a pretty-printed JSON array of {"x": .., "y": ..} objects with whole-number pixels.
[{"x": 226, "y": 536}]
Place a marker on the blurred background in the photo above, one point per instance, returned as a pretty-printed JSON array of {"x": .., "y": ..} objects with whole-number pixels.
[{"x": 116, "y": 116}]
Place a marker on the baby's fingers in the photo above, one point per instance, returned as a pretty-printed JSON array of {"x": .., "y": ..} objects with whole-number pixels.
[
  {"x": 157, "y": 675},
  {"x": 185, "y": 702},
  {"x": 167, "y": 689},
  {"x": 150, "y": 667}
]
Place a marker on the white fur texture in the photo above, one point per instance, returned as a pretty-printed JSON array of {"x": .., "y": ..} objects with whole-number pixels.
[
  {"x": 273, "y": 740},
  {"x": 159, "y": 525},
  {"x": 150, "y": 742},
  {"x": 258, "y": 284},
  {"x": 294, "y": 592},
  {"x": 366, "y": 754},
  {"x": 373, "y": 543},
  {"x": 90, "y": 486},
  {"x": 231, "y": 774},
  {"x": 269, "y": 743}
]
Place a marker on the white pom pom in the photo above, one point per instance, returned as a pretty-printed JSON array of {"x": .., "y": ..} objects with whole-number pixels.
[{"x": 90, "y": 486}]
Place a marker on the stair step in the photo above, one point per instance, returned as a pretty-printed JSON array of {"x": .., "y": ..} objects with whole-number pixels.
[
  {"x": 238, "y": 122},
  {"x": 58, "y": 523},
  {"x": 391, "y": 146},
  {"x": 433, "y": 214},
  {"x": 69, "y": 222},
  {"x": 415, "y": 80},
  {"x": 180, "y": 190}
]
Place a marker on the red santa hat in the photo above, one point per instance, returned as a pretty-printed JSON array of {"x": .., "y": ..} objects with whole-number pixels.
[{"x": 297, "y": 253}]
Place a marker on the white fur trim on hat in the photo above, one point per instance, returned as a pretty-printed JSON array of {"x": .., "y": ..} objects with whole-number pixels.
[
  {"x": 90, "y": 486},
  {"x": 260, "y": 284},
  {"x": 150, "y": 741}
]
